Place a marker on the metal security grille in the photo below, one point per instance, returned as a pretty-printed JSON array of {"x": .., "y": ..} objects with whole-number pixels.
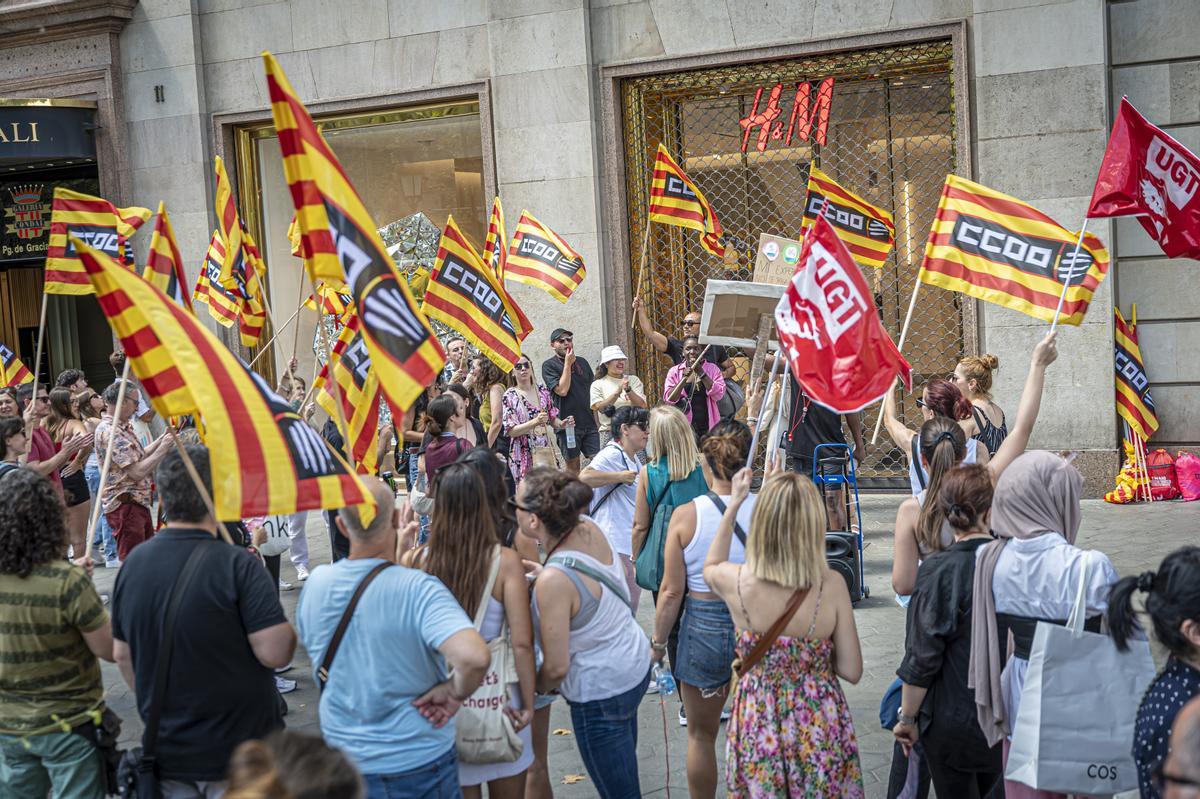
[{"x": 890, "y": 138}]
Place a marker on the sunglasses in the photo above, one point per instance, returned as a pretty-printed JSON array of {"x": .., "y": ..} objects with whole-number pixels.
[
  {"x": 523, "y": 366},
  {"x": 922, "y": 403},
  {"x": 690, "y": 322},
  {"x": 512, "y": 503},
  {"x": 565, "y": 339},
  {"x": 643, "y": 426}
]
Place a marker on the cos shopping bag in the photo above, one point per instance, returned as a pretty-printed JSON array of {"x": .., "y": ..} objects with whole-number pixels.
[{"x": 1074, "y": 728}]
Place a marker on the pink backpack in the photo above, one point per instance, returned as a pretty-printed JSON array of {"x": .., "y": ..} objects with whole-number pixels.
[{"x": 1187, "y": 473}]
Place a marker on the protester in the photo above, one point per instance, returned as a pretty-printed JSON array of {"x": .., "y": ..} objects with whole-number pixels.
[
  {"x": 412, "y": 438},
  {"x": 695, "y": 386},
  {"x": 1179, "y": 775},
  {"x": 491, "y": 385},
  {"x": 10, "y": 406},
  {"x": 145, "y": 413},
  {"x": 229, "y": 634},
  {"x": 706, "y": 631},
  {"x": 409, "y": 658},
  {"x": 673, "y": 347},
  {"x": 126, "y": 496},
  {"x": 45, "y": 457},
  {"x": 528, "y": 412},
  {"x": 973, "y": 378},
  {"x": 937, "y": 707},
  {"x": 464, "y": 552},
  {"x": 613, "y": 476},
  {"x": 90, "y": 407},
  {"x": 790, "y": 732},
  {"x": 1029, "y": 575},
  {"x": 455, "y": 370},
  {"x": 595, "y": 653},
  {"x": 469, "y": 429},
  {"x": 71, "y": 379},
  {"x": 292, "y": 765},
  {"x": 612, "y": 389},
  {"x": 811, "y": 425},
  {"x": 569, "y": 379},
  {"x": 64, "y": 423},
  {"x": 444, "y": 421},
  {"x": 939, "y": 398},
  {"x": 55, "y": 628},
  {"x": 13, "y": 444},
  {"x": 1173, "y": 605}
]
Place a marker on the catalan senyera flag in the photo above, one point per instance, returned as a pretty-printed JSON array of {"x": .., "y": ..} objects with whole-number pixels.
[
  {"x": 229, "y": 224},
  {"x": 1134, "y": 403},
  {"x": 463, "y": 294},
  {"x": 994, "y": 247},
  {"x": 495, "y": 246},
  {"x": 92, "y": 220},
  {"x": 295, "y": 240},
  {"x": 359, "y": 392},
  {"x": 867, "y": 230},
  {"x": 538, "y": 257},
  {"x": 164, "y": 264},
  {"x": 224, "y": 306},
  {"x": 265, "y": 459},
  {"x": 329, "y": 302},
  {"x": 247, "y": 278},
  {"x": 343, "y": 248},
  {"x": 676, "y": 200},
  {"x": 12, "y": 371}
]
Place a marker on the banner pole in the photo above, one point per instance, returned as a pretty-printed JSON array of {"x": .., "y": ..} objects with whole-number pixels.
[
  {"x": 37, "y": 359},
  {"x": 641, "y": 275},
  {"x": 299, "y": 305},
  {"x": 912, "y": 303},
  {"x": 1070, "y": 273},
  {"x": 1145, "y": 468},
  {"x": 776, "y": 428},
  {"x": 274, "y": 335},
  {"x": 758, "y": 427},
  {"x": 107, "y": 463},
  {"x": 194, "y": 473}
]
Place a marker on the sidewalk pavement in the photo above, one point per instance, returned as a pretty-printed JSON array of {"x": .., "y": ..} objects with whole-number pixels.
[{"x": 1136, "y": 538}]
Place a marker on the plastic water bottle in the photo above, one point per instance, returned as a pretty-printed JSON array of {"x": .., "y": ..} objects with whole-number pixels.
[
  {"x": 570, "y": 436},
  {"x": 665, "y": 679}
]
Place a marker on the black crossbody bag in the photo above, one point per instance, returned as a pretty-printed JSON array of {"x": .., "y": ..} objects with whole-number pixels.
[{"x": 737, "y": 527}]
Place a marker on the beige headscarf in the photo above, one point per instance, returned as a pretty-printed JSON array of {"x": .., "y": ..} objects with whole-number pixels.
[{"x": 1037, "y": 494}]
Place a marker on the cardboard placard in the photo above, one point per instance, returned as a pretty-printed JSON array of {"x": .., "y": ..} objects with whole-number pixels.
[
  {"x": 732, "y": 309},
  {"x": 776, "y": 260}
]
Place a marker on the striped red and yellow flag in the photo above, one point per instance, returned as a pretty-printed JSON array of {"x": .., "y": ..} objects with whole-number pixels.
[
  {"x": 495, "y": 246},
  {"x": 12, "y": 371},
  {"x": 867, "y": 230},
  {"x": 539, "y": 258},
  {"x": 359, "y": 392},
  {"x": 229, "y": 225},
  {"x": 265, "y": 459},
  {"x": 247, "y": 276},
  {"x": 464, "y": 295},
  {"x": 329, "y": 302},
  {"x": 93, "y": 221},
  {"x": 224, "y": 306},
  {"x": 994, "y": 247},
  {"x": 1134, "y": 403},
  {"x": 343, "y": 248},
  {"x": 676, "y": 200},
  {"x": 295, "y": 240},
  {"x": 164, "y": 264}
]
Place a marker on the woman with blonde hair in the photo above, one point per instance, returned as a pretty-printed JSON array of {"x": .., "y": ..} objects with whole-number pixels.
[
  {"x": 62, "y": 423},
  {"x": 973, "y": 378},
  {"x": 790, "y": 733}
]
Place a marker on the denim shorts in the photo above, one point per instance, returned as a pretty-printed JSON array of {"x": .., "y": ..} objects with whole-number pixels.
[{"x": 706, "y": 644}]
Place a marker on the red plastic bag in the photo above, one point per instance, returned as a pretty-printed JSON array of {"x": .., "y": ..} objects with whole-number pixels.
[
  {"x": 1163, "y": 482},
  {"x": 1187, "y": 473}
]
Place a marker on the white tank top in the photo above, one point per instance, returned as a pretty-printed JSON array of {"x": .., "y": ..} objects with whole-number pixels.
[
  {"x": 708, "y": 518},
  {"x": 913, "y": 465}
]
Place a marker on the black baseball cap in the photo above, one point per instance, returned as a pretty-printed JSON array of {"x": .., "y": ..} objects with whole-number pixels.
[{"x": 558, "y": 333}]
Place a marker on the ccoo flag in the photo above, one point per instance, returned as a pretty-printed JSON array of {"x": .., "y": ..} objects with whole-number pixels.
[
  {"x": 676, "y": 200},
  {"x": 463, "y": 294},
  {"x": 12, "y": 371},
  {"x": 93, "y": 221},
  {"x": 342, "y": 247},
  {"x": 266, "y": 460},
  {"x": 359, "y": 392},
  {"x": 495, "y": 246},
  {"x": 1148, "y": 174},
  {"x": 994, "y": 247},
  {"x": 539, "y": 258},
  {"x": 867, "y": 230},
  {"x": 164, "y": 264},
  {"x": 828, "y": 326},
  {"x": 1134, "y": 403}
]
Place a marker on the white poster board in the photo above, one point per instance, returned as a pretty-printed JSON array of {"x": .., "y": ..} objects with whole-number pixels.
[{"x": 732, "y": 309}]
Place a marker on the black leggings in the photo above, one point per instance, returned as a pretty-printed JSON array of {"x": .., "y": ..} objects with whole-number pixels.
[{"x": 952, "y": 778}]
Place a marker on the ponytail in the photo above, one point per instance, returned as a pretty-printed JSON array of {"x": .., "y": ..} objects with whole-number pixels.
[
  {"x": 1121, "y": 621},
  {"x": 438, "y": 415},
  {"x": 943, "y": 445},
  {"x": 1172, "y": 598}
]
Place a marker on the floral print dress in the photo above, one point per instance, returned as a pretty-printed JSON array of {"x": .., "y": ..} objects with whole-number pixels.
[
  {"x": 790, "y": 732},
  {"x": 517, "y": 410}
]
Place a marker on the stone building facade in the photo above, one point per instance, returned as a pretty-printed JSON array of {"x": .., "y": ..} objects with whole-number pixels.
[{"x": 438, "y": 106}]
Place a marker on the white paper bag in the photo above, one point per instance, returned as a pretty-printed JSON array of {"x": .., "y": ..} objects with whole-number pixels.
[{"x": 1074, "y": 727}]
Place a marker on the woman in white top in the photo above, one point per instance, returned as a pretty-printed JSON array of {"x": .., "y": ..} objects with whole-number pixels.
[
  {"x": 613, "y": 389},
  {"x": 613, "y": 476},
  {"x": 463, "y": 546},
  {"x": 706, "y": 634},
  {"x": 595, "y": 653},
  {"x": 1030, "y": 574}
]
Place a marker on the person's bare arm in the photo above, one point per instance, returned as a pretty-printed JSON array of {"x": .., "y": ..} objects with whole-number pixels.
[
  {"x": 847, "y": 650},
  {"x": 854, "y": 422},
  {"x": 1031, "y": 402},
  {"x": 905, "y": 555},
  {"x": 563, "y": 387},
  {"x": 901, "y": 436},
  {"x": 520, "y": 627},
  {"x": 641, "y": 517},
  {"x": 496, "y": 393},
  {"x": 597, "y": 478},
  {"x": 146, "y": 466},
  {"x": 124, "y": 659},
  {"x": 670, "y": 596},
  {"x": 636, "y": 398},
  {"x": 274, "y": 646},
  {"x": 557, "y": 600},
  {"x": 468, "y": 657},
  {"x": 100, "y": 641},
  {"x": 657, "y": 340}
]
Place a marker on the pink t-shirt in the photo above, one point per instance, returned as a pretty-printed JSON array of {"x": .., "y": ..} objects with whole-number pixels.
[{"x": 43, "y": 448}]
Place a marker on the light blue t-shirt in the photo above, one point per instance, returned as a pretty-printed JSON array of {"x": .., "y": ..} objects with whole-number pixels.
[{"x": 387, "y": 659}]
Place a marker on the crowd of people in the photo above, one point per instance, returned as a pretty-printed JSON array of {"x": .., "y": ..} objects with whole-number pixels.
[{"x": 539, "y": 510}]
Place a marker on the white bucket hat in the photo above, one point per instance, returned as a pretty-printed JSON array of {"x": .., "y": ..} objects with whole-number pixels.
[{"x": 611, "y": 353}]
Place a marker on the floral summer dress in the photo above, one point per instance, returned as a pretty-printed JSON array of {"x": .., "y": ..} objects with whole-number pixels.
[
  {"x": 790, "y": 733},
  {"x": 517, "y": 410}
]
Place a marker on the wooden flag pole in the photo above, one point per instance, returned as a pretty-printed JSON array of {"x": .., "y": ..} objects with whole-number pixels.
[
  {"x": 912, "y": 303},
  {"x": 37, "y": 359},
  {"x": 641, "y": 275},
  {"x": 776, "y": 428},
  {"x": 194, "y": 473},
  {"x": 1070, "y": 273},
  {"x": 299, "y": 305},
  {"x": 774, "y": 369},
  {"x": 107, "y": 464},
  {"x": 1145, "y": 462},
  {"x": 276, "y": 334}
]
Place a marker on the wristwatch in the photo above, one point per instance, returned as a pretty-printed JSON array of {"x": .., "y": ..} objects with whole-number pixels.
[
  {"x": 657, "y": 647},
  {"x": 910, "y": 721}
]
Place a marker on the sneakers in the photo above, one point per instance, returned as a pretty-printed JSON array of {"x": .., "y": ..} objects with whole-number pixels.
[
  {"x": 682, "y": 717},
  {"x": 301, "y": 573},
  {"x": 284, "y": 585},
  {"x": 283, "y": 669},
  {"x": 115, "y": 563},
  {"x": 652, "y": 688},
  {"x": 283, "y": 685}
]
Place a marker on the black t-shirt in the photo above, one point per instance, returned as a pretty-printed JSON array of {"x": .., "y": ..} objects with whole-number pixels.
[
  {"x": 699, "y": 400},
  {"x": 578, "y": 402},
  {"x": 715, "y": 354},
  {"x": 810, "y": 425},
  {"x": 218, "y": 694}
]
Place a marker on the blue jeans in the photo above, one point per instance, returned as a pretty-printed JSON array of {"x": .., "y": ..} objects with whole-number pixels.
[
  {"x": 413, "y": 476},
  {"x": 63, "y": 761},
  {"x": 438, "y": 780},
  {"x": 91, "y": 473},
  {"x": 606, "y": 731}
]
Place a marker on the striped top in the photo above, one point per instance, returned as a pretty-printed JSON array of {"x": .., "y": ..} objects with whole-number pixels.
[{"x": 46, "y": 667}]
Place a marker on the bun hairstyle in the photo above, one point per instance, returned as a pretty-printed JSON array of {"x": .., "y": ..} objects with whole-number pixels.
[
  {"x": 944, "y": 399},
  {"x": 979, "y": 368},
  {"x": 1172, "y": 597},
  {"x": 291, "y": 765},
  {"x": 557, "y": 498},
  {"x": 439, "y": 413},
  {"x": 943, "y": 445},
  {"x": 966, "y": 496},
  {"x": 725, "y": 447}
]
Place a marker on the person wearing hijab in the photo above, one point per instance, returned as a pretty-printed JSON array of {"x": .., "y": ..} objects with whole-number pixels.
[{"x": 1029, "y": 574}]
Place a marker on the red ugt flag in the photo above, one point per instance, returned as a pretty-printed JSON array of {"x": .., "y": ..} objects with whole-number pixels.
[
  {"x": 1147, "y": 173},
  {"x": 830, "y": 332}
]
